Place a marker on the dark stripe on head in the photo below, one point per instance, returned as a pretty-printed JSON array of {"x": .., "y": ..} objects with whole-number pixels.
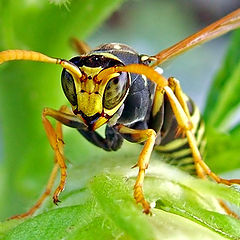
[{"x": 95, "y": 61}]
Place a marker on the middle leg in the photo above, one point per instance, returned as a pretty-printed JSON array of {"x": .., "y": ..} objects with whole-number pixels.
[{"x": 148, "y": 136}]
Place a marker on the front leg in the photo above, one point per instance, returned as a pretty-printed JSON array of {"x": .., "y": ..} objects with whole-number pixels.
[
  {"x": 148, "y": 136},
  {"x": 65, "y": 117}
]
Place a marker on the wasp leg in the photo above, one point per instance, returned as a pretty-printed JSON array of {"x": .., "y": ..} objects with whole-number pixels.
[
  {"x": 176, "y": 88},
  {"x": 183, "y": 122},
  {"x": 200, "y": 170},
  {"x": 80, "y": 46},
  {"x": 56, "y": 143},
  {"x": 181, "y": 97},
  {"x": 147, "y": 135}
]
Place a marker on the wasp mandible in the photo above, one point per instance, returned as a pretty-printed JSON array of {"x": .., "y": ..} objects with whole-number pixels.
[{"x": 116, "y": 86}]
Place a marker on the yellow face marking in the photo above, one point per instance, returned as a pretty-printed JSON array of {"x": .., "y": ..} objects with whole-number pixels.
[
  {"x": 89, "y": 104},
  {"x": 88, "y": 86},
  {"x": 90, "y": 71}
]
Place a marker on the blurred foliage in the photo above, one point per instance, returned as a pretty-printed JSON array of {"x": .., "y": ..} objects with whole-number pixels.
[
  {"x": 222, "y": 106},
  {"x": 26, "y": 88},
  {"x": 98, "y": 199},
  {"x": 223, "y": 97}
]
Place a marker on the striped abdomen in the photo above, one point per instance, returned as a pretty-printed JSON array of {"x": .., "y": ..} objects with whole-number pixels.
[{"x": 175, "y": 149}]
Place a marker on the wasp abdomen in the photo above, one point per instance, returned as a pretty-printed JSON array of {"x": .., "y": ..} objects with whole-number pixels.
[{"x": 175, "y": 149}]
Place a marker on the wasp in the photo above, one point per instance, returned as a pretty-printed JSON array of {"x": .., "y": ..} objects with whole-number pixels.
[{"x": 116, "y": 86}]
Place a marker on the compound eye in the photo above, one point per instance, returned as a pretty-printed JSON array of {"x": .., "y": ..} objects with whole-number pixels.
[
  {"x": 115, "y": 90},
  {"x": 68, "y": 87}
]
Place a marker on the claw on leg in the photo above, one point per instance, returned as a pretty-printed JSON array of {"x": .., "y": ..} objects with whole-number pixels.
[
  {"x": 198, "y": 160},
  {"x": 143, "y": 163},
  {"x": 139, "y": 195}
]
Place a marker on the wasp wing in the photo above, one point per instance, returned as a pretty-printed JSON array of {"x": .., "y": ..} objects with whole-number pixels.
[{"x": 218, "y": 28}]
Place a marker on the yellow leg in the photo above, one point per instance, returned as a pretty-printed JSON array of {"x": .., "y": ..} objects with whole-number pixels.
[
  {"x": 176, "y": 88},
  {"x": 184, "y": 124},
  {"x": 56, "y": 142},
  {"x": 64, "y": 116},
  {"x": 181, "y": 117},
  {"x": 198, "y": 160},
  {"x": 148, "y": 136},
  {"x": 157, "y": 101},
  {"x": 228, "y": 210}
]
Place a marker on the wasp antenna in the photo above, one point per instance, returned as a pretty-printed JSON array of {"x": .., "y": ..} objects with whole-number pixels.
[
  {"x": 70, "y": 67},
  {"x": 149, "y": 72},
  {"x": 11, "y": 55}
]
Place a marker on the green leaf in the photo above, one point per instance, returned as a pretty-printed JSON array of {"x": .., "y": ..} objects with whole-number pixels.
[
  {"x": 110, "y": 212},
  {"x": 223, "y": 135},
  {"x": 228, "y": 100},
  {"x": 116, "y": 201},
  {"x": 222, "y": 150},
  {"x": 223, "y": 97},
  {"x": 55, "y": 224},
  {"x": 225, "y": 225},
  {"x": 6, "y": 226}
]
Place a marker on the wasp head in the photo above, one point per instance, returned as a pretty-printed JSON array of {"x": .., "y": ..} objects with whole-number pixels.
[{"x": 95, "y": 100}]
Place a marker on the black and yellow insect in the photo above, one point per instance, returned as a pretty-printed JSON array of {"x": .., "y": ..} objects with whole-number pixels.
[{"x": 116, "y": 86}]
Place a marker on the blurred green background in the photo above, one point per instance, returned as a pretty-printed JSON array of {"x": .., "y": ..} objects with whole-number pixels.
[{"x": 25, "y": 88}]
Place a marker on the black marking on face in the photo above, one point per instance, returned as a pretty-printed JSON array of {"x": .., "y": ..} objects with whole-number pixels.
[
  {"x": 89, "y": 120},
  {"x": 95, "y": 61}
]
